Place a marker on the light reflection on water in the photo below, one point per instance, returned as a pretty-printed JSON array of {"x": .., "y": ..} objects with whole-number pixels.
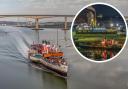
[{"x": 99, "y": 54}]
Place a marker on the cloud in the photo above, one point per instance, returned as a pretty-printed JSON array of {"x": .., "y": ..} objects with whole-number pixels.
[{"x": 53, "y": 6}]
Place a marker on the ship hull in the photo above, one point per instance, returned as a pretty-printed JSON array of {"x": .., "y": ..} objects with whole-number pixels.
[{"x": 49, "y": 66}]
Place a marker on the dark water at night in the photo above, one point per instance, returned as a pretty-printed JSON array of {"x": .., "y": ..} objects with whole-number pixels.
[{"x": 98, "y": 54}]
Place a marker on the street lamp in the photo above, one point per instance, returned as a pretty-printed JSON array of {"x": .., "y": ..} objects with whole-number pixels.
[
  {"x": 111, "y": 25},
  {"x": 117, "y": 24}
]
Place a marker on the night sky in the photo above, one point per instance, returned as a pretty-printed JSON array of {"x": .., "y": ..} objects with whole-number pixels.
[{"x": 107, "y": 12}]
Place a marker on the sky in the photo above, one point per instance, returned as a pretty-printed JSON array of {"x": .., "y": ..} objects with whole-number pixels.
[
  {"x": 70, "y": 7},
  {"x": 106, "y": 11}
]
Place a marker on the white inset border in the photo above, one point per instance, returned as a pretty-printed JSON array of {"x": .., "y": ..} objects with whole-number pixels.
[{"x": 125, "y": 27}]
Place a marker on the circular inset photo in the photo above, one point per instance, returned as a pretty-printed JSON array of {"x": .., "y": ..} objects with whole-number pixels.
[{"x": 98, "y": 32}]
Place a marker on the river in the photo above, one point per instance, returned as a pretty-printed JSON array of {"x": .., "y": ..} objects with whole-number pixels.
[
  {"x": 17, "y": 73},
  {"x": 15, "y": 70}
]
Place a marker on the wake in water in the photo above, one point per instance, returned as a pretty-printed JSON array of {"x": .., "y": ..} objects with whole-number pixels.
[
  {"x": 14, "y": 44},
  {"x": 14, "y": 38}
]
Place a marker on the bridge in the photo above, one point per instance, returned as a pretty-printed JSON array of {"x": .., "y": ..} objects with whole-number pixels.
[{"x": 38, "y": 17}]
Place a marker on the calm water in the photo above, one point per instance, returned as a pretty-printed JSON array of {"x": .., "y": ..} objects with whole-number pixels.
[
  {"x": 15, "y": 70},
  {"x": 17, "y": 73}
]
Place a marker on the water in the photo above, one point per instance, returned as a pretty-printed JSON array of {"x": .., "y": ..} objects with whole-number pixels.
[
  {"x": 17, "y": 73},
  {"x": 97, "y": 54},
  {"x": 88, "y": 75},
  {"x": 15, "y": 70}
]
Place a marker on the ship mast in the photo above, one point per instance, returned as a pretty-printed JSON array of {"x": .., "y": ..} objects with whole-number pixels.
[
  {"x": 37, "y": 29},
  {"x": 65, "y": 28},
  {"x": 57, "y": 38}
]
